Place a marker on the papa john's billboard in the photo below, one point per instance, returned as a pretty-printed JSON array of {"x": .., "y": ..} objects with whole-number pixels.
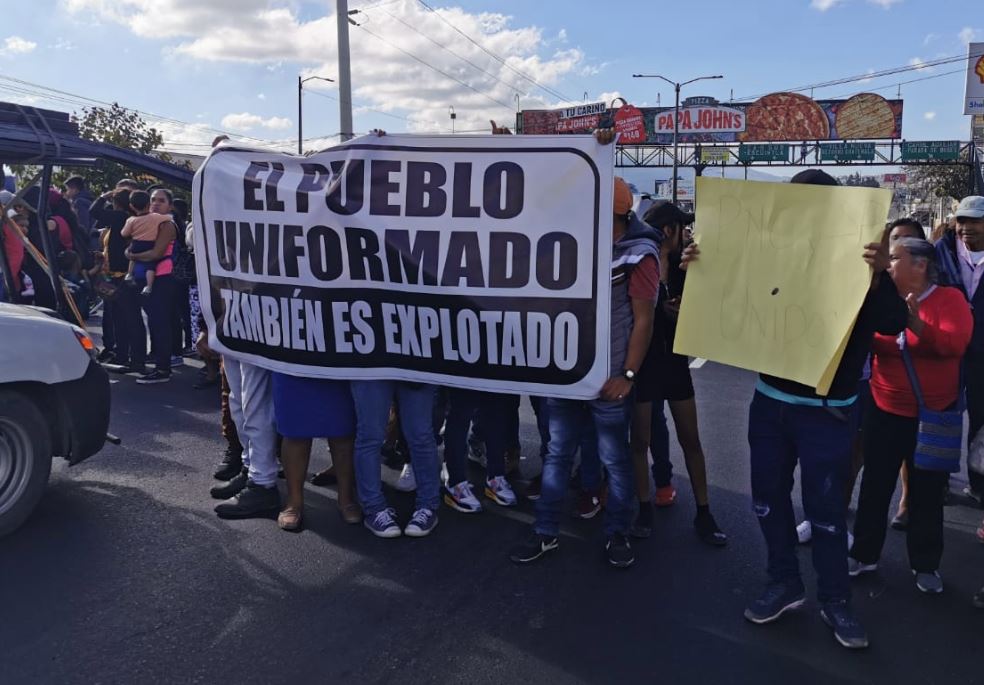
[{"x": 779, "y": 117}]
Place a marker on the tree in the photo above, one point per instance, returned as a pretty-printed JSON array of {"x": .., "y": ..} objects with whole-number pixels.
[{"x": 940, "y": 180}]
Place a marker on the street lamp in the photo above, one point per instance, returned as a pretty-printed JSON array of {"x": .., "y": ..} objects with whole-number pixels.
[
  {"x": 300, "y": 112},
  {"x": 453, "y": 117},
  {"x": 676, "y": 117}
]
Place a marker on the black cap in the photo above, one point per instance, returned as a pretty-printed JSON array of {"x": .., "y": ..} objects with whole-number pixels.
[
  {"x": 814, "y": 177},
  {"x": 665, "y": 213}
]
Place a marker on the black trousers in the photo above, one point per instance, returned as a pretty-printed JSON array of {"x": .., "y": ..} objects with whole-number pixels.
[{"x": 889, "y": 440}]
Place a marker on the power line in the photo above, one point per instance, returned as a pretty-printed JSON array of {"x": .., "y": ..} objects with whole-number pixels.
[
  {"x": 449, "y": 50},
  {"x": 432, "y": 67},
  {"x": 377, "y": 111},
  {"x": 551, "y": 91},
  {"x": 57, "y": 95},
  {"x": 872, "y": 75},
  {"x": 901, "y": 83}
]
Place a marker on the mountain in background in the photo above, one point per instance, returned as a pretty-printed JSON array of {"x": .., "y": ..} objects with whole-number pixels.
[{"x": 646, "y": 179}]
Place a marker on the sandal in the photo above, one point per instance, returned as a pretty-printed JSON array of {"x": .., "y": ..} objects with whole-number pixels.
[
  {"x": 351, "y": 513},
  {"x": 290, "y": 519}
]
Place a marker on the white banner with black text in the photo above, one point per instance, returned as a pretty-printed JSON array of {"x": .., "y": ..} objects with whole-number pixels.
[{"x": 478, "y": 262}]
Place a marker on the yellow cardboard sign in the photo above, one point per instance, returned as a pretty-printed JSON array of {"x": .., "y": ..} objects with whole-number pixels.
[{"x": 780, "y": 279}]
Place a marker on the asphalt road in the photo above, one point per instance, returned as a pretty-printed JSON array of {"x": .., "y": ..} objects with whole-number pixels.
[{"x": 124, "y": 575}]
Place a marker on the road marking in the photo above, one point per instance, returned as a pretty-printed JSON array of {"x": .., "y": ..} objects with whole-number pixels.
[{"x": 697, "y": 363}]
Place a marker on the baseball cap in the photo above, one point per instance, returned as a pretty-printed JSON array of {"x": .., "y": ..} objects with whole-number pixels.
[
  {"x": 814, "y": 177},
  {"x": 623, "y": 201},
  {"x": 665, "y": 213},
  {"x": 7, "y": 200},
  {"x": 971, "y": 207}
]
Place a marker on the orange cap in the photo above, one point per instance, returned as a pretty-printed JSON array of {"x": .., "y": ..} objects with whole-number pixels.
[{"x": 623, "y": 197}]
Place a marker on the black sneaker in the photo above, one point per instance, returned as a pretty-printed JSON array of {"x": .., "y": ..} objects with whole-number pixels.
[
  {"x": 129, "y": 367},
  {"x": 535, "y": 547},
  {"x": 643, "y": 526},
  {"x": 848, "y": 631},
  {"x": 535, "y": 488},
  {"x": 230, "y": 488},
  {"x": 107, "y": 356},
  {"x": 253, "y": 500},
  {"x": 978, "y": 600},
  {"x": 777, "y": 599},
  {"x": 230, "y": 466},
  {"x": 619, "y": 551},
  {"x": 708, "y": 531},
  {"x": 154, "y": 377}
]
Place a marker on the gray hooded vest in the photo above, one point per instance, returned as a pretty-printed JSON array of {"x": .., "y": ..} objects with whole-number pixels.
[{"x": 639, "y": 240}]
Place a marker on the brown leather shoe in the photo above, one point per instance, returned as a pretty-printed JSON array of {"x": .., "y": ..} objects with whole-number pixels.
[
  {"x": 291, "y": 519},
  {"x": 351, "y": 513}
]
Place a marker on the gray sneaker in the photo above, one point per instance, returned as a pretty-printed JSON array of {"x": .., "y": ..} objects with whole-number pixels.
[{"x": 930, "y": 583}]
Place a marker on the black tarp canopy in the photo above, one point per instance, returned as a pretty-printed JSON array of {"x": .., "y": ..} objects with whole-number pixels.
[{"x": 29, "y": 135}]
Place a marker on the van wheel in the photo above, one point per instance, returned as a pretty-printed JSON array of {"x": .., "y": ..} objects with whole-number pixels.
[{"x": 25, "y": 458}]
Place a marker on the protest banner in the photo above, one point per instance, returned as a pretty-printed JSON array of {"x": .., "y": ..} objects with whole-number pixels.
[
  {"x": 479, "y": 262},
  {"x": 780, "y": 279}
]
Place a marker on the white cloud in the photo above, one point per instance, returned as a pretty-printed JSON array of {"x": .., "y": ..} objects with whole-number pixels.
[
  {"x": 929, "y": 116},
  {"x": 15, "y": 45},
  {"x": 63, "y": 44},
  {"x": 870, "y": 73},
  {"x": 887, "y": 4},
  {"x": 930, "y": 37},
  {"x": 244, "y": 121},
  {"x": 967, "y": 34},
  {"x": 261, "y": 96},
  {"x": 824, "y": 5},
  {"x": 255, "y": 31},
  {"x": 920, "y": 64}
]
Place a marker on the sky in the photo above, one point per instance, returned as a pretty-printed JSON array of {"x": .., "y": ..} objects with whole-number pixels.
[{"x": 198, "y": 67}]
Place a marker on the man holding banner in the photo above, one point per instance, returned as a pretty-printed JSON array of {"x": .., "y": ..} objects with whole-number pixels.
[
  {"x": 635, "y": 284},
  {"x": 791, "y": 421}
]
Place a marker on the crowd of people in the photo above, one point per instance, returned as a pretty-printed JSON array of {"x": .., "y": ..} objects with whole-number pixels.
[
  {"x": 126, "y": 249},
  {"x": 913, "y": 364}
]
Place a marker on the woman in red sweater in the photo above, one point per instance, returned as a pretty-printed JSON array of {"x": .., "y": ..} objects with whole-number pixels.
[{"x": 939, "y": 330}]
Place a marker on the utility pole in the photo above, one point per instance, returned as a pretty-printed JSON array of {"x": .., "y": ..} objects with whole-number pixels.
[
  {"x": 676, "y": 119},
  {"x": 344, "y": 70},
  {"x": 300, "y": 109}
]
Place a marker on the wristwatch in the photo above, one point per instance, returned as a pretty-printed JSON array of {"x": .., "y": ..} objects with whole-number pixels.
[{"x": 629, "y": 375}]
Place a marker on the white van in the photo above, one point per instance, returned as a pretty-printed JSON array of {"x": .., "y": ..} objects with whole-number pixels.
[{"x": 54, "y": 401}]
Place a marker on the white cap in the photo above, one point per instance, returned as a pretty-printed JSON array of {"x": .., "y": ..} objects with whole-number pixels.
[{"x": 971, "y": 207}]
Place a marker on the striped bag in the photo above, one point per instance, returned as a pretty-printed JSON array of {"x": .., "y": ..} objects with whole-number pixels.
[{"x": 939, "y": 444}]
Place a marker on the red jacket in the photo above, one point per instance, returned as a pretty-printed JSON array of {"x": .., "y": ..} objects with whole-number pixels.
[{"x": 948, "y": 325}]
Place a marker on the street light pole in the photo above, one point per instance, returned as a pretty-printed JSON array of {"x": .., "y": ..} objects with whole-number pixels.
[
  {"x": 676, "y": 118},
  {"x": 300, "y": 109}
]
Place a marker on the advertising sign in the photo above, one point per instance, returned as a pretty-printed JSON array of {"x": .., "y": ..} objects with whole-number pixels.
[
  {"x": 894, "y": 178},
  {"x": 779, "y": 117},
  {"x": 977, "y": 128},
  {"x": 932, "y": 151},
  {"x": 974, "y": 95},
  {"x": 430, "y": 259},
  {"x": 630, "y": 125}
]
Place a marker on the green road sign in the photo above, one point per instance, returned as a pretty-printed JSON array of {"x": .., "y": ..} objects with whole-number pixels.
[
  {"x": 932, "y": 151},
  {"x": 763, "y": 153},
  {"x": 847, "y": 152}
]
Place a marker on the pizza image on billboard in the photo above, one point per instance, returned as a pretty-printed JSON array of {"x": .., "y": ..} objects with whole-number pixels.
[
  {"x": 785, "y": 116},
  {"x": 865, "y": 116}
]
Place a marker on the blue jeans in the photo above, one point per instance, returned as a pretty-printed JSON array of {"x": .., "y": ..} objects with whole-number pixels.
[
  {"x": 779, "y": 434},
  {"x": 416, "y": 408},
  {"x": 611, "y": 421},
  {"x": 590, "y": 464}
]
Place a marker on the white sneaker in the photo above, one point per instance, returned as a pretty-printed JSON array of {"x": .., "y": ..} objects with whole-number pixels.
[
  {"x": 406, "y": 482},
  {"x": 461, "y": 498},
  {"x": 850, "y": 540},
  {"x": 855, "y": 568},
  {"x": 497, "y": 489},
  {"x": 804, "y": 532}
]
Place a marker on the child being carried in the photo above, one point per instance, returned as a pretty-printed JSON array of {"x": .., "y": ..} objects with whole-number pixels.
[{"x": 142, "y": 229}]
